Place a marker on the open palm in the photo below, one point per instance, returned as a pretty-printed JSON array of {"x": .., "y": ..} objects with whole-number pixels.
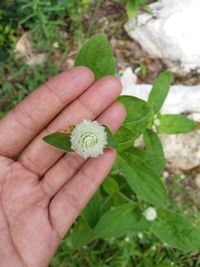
[{"x": 42, "y": 190}]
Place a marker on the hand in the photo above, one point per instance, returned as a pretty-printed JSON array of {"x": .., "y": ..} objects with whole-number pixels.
[{"x": 42, "y": 190}]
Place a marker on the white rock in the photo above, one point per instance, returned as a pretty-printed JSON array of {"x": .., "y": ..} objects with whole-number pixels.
[
  {"x": 182, "y": 151},
  {"x": 128, "y": 78},
  {"x": 171, "y": 33},
  {"x": 197, "y": 180},
  {"x": 24, "y": 51},
  {"x": 36, "y": 59},
  {"x": 23, "y": 45},
  {"x": 150, "y": 214},
  {"x": 181, "y": 99}
]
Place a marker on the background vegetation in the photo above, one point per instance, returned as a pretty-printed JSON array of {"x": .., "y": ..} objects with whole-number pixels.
[{"x": 57, "y": 29}]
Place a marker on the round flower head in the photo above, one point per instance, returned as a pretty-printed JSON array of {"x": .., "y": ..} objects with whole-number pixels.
[
  {"x": 150, "y": 214},
  {"x": 88, "y": 139}
]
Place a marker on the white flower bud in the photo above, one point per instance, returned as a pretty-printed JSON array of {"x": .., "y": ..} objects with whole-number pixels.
[
  {"x": 155, "y": 116},
  {"x": 127, "y": 239},
  {"x": 89, "y": 139},
  {"x": 150, "y": 214},
  {"x": 165, "y": 174},
  {"x": 55, "y": 45},
  {"x": 156, "y": 122},
  {"x": 154, "y": 128},
  {"x": 140, "y": 235},
  {"x": 182, "y": 176}
]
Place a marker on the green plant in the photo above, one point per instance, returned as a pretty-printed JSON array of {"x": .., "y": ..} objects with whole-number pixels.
[
  {"x": 49, "y": 20},
  {"x": 18, "y": 80},
  {"x": 133, "y": 6},
  {"x": 135, "y": 183},
  {"x": 9, "y": 16},
  {"x": 56, "y": 28}
]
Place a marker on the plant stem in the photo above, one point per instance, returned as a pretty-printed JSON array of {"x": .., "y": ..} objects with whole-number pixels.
[{"x": 91, "y": 26}]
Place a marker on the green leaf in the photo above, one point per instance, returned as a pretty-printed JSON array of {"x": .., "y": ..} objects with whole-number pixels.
[
  {"x": 160, "y": 90},
  {"x": 62, "y": 140},
  {"x": 138, "y": 114},
  {"x": 154, "y": 154},
  {"x": 110, "y": 186},
  {"x": 82, "y": 234},
  {"x": 150, "y": 160},
  {"x": 132, "y": 7},
  {"x": 91, "y": 212},
  {"x": 110, "y": 138},
  {"x": 97, "y": 55},
  {"x": 2, "y": 114},
  {"x": 117, "y": 200},
  {"x": 142, "y": 180},
  {"x": 59, "y": 140},
  {"x": 174, "y": 124},
  {"x": 169, "y": 264},
  {"x": 118, "y": 221},
  {"x": 143, "y": 225},
  {"x": 124, "y": 137},
  {"x": 176, "y": 230},
  {"x": 106, "y": 204}
]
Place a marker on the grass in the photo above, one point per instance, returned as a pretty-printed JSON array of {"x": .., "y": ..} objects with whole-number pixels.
[
  {"x": 133, "y": 250},
  {"x": 129, "y": 251},
  {"x": 48, "y": 23}
]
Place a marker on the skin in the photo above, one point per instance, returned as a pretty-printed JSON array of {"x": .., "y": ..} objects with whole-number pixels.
[{"x": 42, "y": 190}]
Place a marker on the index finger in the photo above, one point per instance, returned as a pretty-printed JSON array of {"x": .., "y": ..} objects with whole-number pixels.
[{"x": 29, "y": 117}]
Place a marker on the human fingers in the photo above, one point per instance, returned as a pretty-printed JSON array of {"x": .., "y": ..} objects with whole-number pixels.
[
  {"x": 38, "y": 157},
  {"x": 73, "y": 197},
  {"x": 70, "y": 163},
  {"x": 33, "y": 114}
]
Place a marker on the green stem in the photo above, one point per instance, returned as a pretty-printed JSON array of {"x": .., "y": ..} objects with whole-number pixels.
[
  {"x": 125, "y": 197},
  {"x": 91, "y": 26}
]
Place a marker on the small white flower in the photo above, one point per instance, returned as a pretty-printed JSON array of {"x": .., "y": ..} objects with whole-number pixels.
[
  {"x": 150, "y": 214},
  {"x": 55, "y": 45},
  {"x": 182, "y": 176},
  {"x": 140, "y": 235},
  {"x": 156, "y": 122},
  {"x": 154, "y": 128},
  {"x": 155, "y": 116},
  {"x": 89, "y": 139},
  {"x": 165, "y": 245},
  {"x": 165, "y": 174},
  {"x": 127, "y": 239}
]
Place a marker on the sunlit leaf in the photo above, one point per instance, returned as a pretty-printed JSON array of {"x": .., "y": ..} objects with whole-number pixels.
[{"x": 97, "y": 55}]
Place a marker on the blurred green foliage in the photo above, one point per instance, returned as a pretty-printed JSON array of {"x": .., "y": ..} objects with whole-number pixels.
[
  {"x": 55, "y": 25},
  {"x": 10, "y": 15}
]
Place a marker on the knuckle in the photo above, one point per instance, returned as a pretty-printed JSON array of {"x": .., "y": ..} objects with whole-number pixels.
[
  {"x": 112, "y": 82},
  {"x": 73, "y": 161},
  {"x": 24, "y": 118},
  {"x": 72, "y": 200},
  {"x": 91, "y": 180},
  {"x": 86, "y": 107},
  {"x": 52, "y": 91}
]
